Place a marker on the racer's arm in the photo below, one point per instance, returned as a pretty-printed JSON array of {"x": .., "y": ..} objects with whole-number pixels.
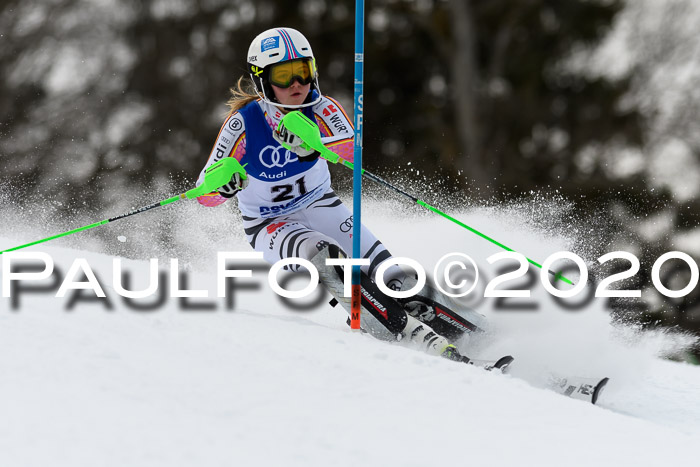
[
  {"x": 230, "y": 143},
  {"x": 337, "y": 131}
]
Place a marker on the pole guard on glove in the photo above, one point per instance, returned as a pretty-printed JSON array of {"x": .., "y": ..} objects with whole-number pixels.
[{"x": 293, "y": 142}]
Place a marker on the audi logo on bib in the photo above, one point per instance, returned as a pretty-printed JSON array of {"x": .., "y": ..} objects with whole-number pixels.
[{"x": 272, "y": 156}]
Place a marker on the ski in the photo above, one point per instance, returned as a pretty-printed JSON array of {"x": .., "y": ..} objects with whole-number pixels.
[
  {"x": 588, "y": 389},
  {"x": 501, "y": 364}
]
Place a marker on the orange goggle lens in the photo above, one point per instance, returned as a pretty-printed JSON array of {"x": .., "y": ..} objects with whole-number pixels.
[{"x": 283, "y": 74}]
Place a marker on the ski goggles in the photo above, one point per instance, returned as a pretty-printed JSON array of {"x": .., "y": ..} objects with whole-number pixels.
[{"x": 283, "y": 74}]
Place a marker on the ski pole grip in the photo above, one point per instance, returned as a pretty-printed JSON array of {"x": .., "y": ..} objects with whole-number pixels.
[
  {"x": 216, "y": 176},
  {"x": 304, "y": 128}
]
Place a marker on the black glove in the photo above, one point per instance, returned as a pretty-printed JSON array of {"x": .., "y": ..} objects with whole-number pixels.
[
  {"x": 232, "y": 188},
  {"x": 295, "y": 144}
]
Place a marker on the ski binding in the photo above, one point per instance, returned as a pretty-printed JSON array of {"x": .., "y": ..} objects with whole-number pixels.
[{"x": 488, "y": 365}]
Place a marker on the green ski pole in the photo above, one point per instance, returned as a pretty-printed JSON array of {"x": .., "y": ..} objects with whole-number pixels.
[
  {"x": 299, "y": 124},
  {"x": 216, "y": 176}
]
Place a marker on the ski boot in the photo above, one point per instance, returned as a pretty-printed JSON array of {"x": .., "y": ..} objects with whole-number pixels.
[{"x": 421, "y": 336}]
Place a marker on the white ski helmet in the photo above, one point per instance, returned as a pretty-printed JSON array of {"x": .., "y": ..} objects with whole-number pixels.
[{"x": 276, "y": 46}]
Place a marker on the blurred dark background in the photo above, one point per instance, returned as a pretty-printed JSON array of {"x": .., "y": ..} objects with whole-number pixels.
[{"x": 491, "y": 100}]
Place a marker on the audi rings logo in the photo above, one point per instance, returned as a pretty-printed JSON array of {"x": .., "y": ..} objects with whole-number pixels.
[
  {"x": 346, "y": 226},
  {"x": 271, "y": 156}
]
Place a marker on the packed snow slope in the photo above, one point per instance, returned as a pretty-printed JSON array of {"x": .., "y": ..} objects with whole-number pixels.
[{"x": 256, "y": 382}]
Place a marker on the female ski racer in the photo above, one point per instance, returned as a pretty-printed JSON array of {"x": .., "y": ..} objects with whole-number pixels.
[{"x": 285, "y": 197}]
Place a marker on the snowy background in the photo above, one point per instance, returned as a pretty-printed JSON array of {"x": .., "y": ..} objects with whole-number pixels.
[{"x": 547, "y": 125}]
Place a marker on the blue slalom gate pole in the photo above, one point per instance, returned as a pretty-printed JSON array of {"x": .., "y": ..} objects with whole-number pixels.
[{"x": 356, "y": 300}]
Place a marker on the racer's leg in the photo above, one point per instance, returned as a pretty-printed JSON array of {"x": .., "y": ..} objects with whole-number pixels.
[
  {"x": 323, "y": 230},
  {"x": 331, "y": 217},
  {"x": 292, "y": 236}
]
